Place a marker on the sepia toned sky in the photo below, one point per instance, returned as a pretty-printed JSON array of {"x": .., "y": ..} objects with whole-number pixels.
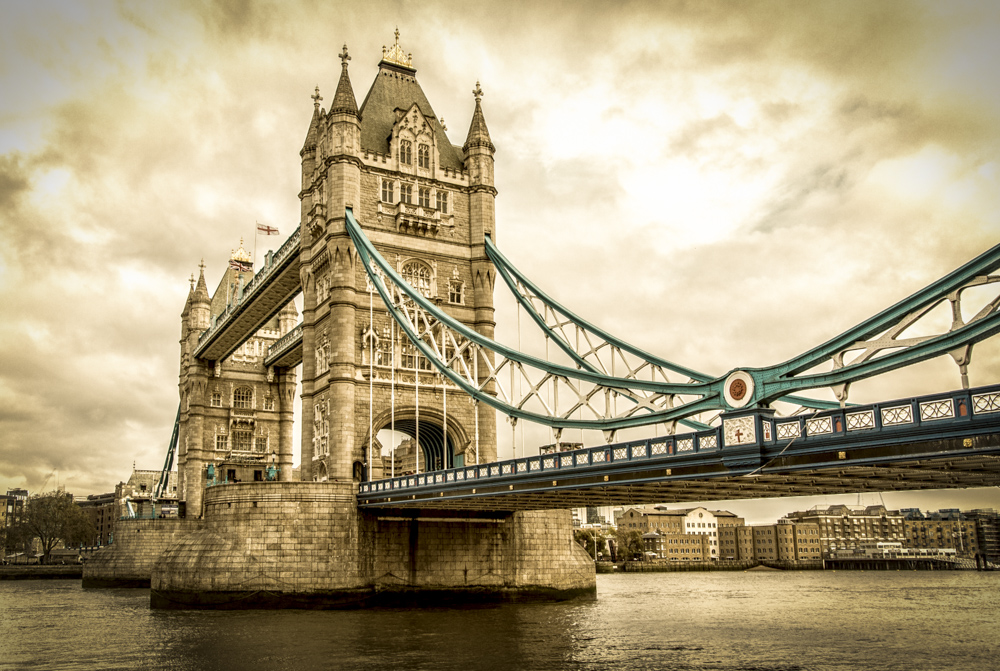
[{"x": 725, "y": 185}]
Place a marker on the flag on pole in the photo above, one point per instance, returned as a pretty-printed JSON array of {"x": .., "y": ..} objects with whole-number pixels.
[
  {"x": 264, "y": 229},
  {"x": 242, "y": 266}
]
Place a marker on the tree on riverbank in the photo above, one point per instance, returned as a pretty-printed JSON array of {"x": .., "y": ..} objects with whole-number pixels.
[
  {"x": 593, "y": 541},
  {"x": 629, "y": 544},
  {"x": 53, "y": 518}
]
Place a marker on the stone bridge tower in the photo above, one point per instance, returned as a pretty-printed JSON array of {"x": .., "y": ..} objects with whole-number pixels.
[
  {"x": 236, "y": 418},
  {"x": 427, "y": 205}
]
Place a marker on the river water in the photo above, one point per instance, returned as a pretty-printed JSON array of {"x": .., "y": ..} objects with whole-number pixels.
[{"x": 721, "y": 620}]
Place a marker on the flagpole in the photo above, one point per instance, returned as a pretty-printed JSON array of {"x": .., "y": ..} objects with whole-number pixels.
[{"x": 256, "y": 232}]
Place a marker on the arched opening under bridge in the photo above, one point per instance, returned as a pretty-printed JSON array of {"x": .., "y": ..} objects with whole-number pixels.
[{"x": 421, "y": 444}]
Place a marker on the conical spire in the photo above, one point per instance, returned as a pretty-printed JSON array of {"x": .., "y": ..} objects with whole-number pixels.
[
  {"x": 190, "y": 297},
  {"x": 479, "y": 135},
  {"x": 201, "y": 290},
  {"x": 343, "y": 100},
  {"x": 312, "y": 135}
]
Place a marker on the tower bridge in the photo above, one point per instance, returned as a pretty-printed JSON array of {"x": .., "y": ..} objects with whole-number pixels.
[{"x": 396, "y": 257}]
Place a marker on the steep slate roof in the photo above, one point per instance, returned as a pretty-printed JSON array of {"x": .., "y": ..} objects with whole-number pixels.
[{"x": 395, "y": 87}]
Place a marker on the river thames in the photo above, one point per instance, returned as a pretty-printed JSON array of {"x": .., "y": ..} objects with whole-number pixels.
[{"x": 719, "y": 620}]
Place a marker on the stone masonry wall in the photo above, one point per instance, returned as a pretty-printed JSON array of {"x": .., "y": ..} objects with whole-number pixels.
[
  {"x": 522, "y": 555},
  {"x": 263, "y": 540},
  {"x": 306, "y": 545},
  {"x": 128, "y": 562}
]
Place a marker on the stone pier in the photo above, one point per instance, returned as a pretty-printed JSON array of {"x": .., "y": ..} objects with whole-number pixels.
[
  {"x": 128, "y": 562},
  {"x": 298, "y": 544}
]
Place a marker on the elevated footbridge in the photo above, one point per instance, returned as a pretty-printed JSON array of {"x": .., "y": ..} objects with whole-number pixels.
[{"x": 271, "y": 289}]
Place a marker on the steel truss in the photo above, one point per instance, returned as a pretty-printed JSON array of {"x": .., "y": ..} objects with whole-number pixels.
[{"x": 606, "y": 367}]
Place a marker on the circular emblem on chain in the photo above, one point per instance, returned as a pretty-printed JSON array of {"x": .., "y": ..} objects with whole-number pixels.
[{"x": 738, "y": 389}]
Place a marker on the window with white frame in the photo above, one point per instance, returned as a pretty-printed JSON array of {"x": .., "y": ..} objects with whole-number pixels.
[
  {"x": 242, "y": 440},
  {"x": 455, "y": 290},
  {"x": 411, "y": 358},
  {"x": 383, "y": 352},
  {"x": 269, "y": 402},
  {"x": 243, "y": 398},
  {"x": 216, "y": 398},
  {"x": 418, "y": 276}
]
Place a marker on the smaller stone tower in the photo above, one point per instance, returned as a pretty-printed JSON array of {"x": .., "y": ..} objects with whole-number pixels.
[{"x": 236, "y": 418}]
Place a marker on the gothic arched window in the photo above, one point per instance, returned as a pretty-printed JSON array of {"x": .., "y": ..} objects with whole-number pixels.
[
  {"x": 423, "y": 156},
  {"x": 243, "y": 398},
  {"x": 418, "y": 276},
  {"x": 405, "y": 152}
]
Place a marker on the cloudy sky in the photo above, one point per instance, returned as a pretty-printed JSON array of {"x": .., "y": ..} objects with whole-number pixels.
[{"x": 723, "y": 185}]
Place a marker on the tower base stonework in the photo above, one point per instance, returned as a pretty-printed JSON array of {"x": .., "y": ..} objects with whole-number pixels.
[
  {"x": 306, "y": 545},
  {"x": 128, "y": 562}
]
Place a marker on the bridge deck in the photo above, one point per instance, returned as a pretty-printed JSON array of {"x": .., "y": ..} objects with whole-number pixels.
[
  {"x": 934, "y": 442},
  {"x": 271, "y": 289},
  {"x": 287, "y": 351}
]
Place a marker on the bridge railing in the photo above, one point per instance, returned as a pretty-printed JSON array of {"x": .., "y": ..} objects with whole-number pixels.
[
  {"x": 281, "y": 343},
  {"x": 885, "y": 421},
  {"x": 290, "y": 246}
]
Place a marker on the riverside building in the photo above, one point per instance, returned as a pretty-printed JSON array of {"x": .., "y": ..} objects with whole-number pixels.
[
  {"x": 686, "y": 534},
  {"x": 847, "y": 528},
  {"x": 944, "y": 529}
]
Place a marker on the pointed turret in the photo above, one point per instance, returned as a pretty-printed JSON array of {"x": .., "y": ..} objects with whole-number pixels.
[
  {"x": 312, "y": 135},
  {"x": 343, "y": 100},
  {"x": 198, "y": 308},
  {"x": 190, "y": 296},
  {"x": 200, "y": 294},
  {"x": 479, "y": 134}
]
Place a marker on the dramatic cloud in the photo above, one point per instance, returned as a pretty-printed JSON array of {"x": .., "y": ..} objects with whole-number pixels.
[{"x": 724, "y": 185}]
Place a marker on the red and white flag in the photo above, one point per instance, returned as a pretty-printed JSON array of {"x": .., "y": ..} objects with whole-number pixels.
[{"x": 264, "y": 229}]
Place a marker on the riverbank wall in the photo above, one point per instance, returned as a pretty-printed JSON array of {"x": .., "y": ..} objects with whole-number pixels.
[{"x": 41, "y": 572}]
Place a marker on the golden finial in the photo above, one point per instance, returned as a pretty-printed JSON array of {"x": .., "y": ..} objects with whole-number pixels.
[
  {"x": 396, "y": 54},
  {"x": 241, "y": 254},
  {"x": 316, "y": 97}
]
